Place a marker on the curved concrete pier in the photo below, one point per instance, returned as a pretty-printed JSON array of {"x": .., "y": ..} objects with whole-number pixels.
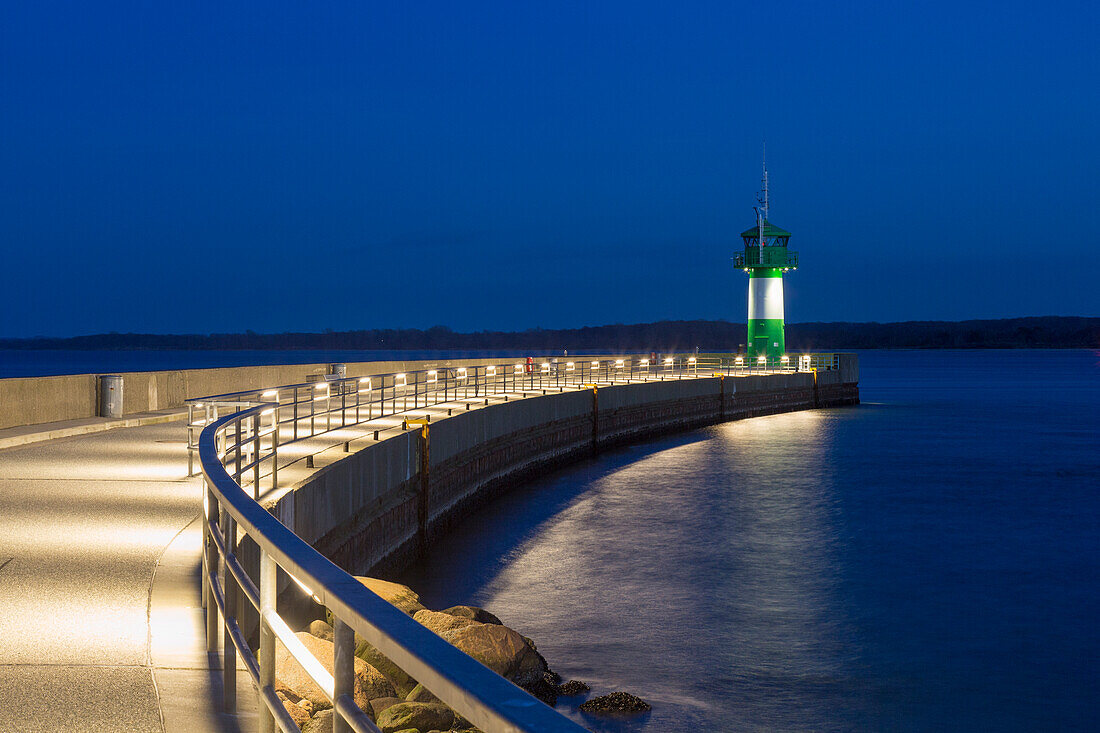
[{"x": 100, "y": 540}]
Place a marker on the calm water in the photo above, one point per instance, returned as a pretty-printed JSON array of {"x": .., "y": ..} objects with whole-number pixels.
[{"x": 929, "y": 560}]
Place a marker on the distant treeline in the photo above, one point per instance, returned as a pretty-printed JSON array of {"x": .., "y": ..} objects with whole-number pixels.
[{"x": 665, "y": 336}]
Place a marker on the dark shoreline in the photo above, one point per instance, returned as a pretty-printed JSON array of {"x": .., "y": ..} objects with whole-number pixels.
[{"x": 1041, "y": 332}]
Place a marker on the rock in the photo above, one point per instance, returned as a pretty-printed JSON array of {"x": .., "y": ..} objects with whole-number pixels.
[
  {"x": 399, "y": 595},
  {"x": 420, "y": 693},
  {"x": 402, "y": 683},
  {"x": 473, "y": 612},
  {"x": 500, "y": 649},
  {"x": 322, "y": 630},
  {"x": 442, "y": 623},
  {"x": 379, "y": 704},
  {"x": 299, "y": 714},
  {"x": 422, "y": 716},
  {"x": 616, "y": 702},
  {"x": 320, "y": 723},
  {"x": 293, "y": 680},
  {"x": 545, "y": 688},
  {"x": 497, "y": 647},
  {"x": 573, "y": 687}
]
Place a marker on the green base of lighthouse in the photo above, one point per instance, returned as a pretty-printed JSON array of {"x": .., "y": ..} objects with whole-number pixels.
[{"x": 766, "y": 339}]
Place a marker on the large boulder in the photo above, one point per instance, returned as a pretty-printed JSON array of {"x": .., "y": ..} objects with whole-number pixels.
[
  {"x": 399, "y": 595},
  {"x": 290, "y": 676},
  {"x": 497, "y": 647},
  {"x": 473, "y": 612},
  {"x": 423, "y": 716}
]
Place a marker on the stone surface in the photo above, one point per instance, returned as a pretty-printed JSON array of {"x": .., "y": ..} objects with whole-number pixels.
[
  {"x": 399, "y": 595},
  {"x": 319, "y": 723},
  {"x": 473, "y": 612},
  {"x": 369, "y": 682},
  {"x": 420, "y": 693},
  {"x": 545, "y": 688},
  {"x": 299, "y": 714},
  {"x": 497, "y": 647},
  {"x": 379, "y": 704},
  {"x": 322, "y": 630},
  {"x": 421, "y": 716},
  {"x": 401, "y": 682},
  {"x": 442, "y": 623},
  {"x": 616, "y": 702}
]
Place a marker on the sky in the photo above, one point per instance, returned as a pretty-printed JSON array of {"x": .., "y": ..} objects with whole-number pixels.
[{"x": 220, "y": 167}]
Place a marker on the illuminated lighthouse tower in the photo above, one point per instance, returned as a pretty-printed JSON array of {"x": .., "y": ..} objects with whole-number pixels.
[{"x": 765, "y": 259}]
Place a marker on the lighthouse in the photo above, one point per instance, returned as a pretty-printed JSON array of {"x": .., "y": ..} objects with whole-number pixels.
[{"x": 766, "y": 258}]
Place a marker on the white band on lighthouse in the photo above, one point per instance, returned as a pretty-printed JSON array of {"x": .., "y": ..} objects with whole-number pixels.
[{"x": 765, "y": 298}]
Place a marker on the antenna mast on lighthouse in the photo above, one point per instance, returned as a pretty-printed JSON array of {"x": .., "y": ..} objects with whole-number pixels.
[{"x": 762, "y": 210}]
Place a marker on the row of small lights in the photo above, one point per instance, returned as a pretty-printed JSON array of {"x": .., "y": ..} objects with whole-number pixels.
[{"x": 401, "y": 380}]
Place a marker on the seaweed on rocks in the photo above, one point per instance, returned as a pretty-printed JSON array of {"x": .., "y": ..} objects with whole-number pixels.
[{"x": 616, "y": 702}]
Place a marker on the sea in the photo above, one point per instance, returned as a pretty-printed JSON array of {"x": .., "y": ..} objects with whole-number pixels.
[{"x": 926, "y": 561}]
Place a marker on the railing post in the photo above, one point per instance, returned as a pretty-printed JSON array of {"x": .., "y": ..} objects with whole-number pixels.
[
  {"x": 256, "y": 430},
  {"x": 343, "y": 667},
  {"x": 267, "y": 639},
  {"x": 229, "y": 586},
  {"x": 275, "y": 450},
  {"x": 210, "y": 558}
]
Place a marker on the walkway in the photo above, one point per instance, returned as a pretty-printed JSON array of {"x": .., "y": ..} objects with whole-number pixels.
[{"x": 100, "y": 620}]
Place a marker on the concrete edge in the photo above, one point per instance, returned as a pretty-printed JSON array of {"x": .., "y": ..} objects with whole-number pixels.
[{"x": 13, "y": 441}]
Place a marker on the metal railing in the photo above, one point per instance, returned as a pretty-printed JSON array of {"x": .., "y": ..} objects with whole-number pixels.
[
  {"x": 773, "y": 256},
  {"x": 240, "y": 449}
]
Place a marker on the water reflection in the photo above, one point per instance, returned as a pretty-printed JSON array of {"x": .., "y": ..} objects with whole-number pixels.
[{"x": 698, "y": 574}]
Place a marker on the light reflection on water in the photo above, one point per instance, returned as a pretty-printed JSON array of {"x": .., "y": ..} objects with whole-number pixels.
[{"x": 926, "y": 561}]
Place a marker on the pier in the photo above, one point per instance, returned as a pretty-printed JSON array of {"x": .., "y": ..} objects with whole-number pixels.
[{"x": 113, "y": 594}]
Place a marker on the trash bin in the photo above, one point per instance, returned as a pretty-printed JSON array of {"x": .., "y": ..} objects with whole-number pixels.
[{"x": 110, "y": 395}]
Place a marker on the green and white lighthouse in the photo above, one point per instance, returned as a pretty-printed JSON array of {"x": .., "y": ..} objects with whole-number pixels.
[{"x": 766, "y": 258}]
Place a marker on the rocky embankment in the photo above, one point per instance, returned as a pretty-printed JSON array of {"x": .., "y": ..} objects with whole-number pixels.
[{"x": 396, "y": 702}]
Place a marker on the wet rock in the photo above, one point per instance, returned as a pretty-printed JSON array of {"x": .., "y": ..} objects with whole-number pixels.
[
  {"x": 545, "y": 688},
  {"x": 615, "y": 703},
  {"x": 422, "y": 716},
  {"x": 322, "y": 630},
  {"x": 473, "y": 612},
  {"x": 293, "y": 680},
  {"x": 573, "y": 687}
]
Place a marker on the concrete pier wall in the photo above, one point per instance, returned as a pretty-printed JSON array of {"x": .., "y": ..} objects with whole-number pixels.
[
  {"x": 33, "y": 400},
  {"x": 374, "y": 511}
]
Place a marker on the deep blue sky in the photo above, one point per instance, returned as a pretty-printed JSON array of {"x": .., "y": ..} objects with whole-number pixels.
[{"x": 194, "y": 167}]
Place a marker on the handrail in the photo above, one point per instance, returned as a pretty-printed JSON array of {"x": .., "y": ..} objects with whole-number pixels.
[{"x": 231, "y": 446}]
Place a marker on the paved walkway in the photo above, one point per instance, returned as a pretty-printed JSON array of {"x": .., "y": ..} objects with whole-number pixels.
[{"x": 100, "y": 618}]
